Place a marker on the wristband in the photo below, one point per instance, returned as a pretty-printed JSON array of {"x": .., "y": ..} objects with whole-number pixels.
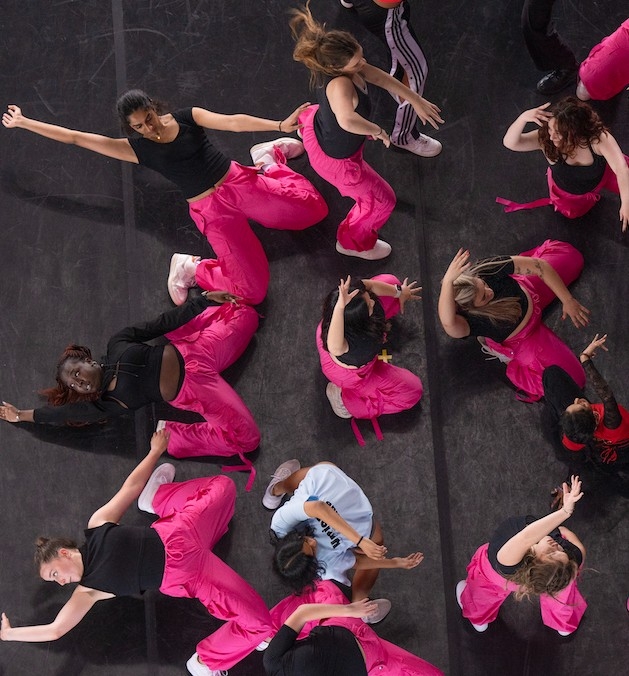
[
  {"x": 358, "y": 543},
  {"x": 279, "y": 126}
]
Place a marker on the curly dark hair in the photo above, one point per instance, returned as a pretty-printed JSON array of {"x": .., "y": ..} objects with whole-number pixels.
[
  {"x": 578, "y": 124},
  {"x": 298, "y": 570},
  {"x": 356, "y": 314}
]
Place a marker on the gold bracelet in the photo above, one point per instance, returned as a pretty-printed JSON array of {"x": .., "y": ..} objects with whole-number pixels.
[{"x": 279, "y": 126}]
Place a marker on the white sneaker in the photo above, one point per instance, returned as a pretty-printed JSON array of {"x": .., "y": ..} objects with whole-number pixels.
[
  {"x": 493, "y": 354},
  {"x": 261, "y": 647},
  {"x": 181, "y": 276},
  {"x": 161, "y": 425},
  {"x": 287, "y": 468},
  {"x": 459, "y": 591},
  {"x": 424, "y": 146},
  {"x": 164, "y": 474},
  {"x": 279, "y": 150},
  {"x": 564, "y": 633},
  {"x": 333, "y": 393},
  {"x": 381, "y": 250},
  {"x": 584, "y": 95},
  {"x": 197, "y": 668},
  {"x": 384, "y": 607},
  {"x": 347, "y": 5}
]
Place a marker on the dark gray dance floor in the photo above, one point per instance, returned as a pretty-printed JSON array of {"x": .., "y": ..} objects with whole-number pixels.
[{"x": 85, "y": 245}]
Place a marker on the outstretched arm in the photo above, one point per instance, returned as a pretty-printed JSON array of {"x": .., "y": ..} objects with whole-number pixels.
[
  {"x": 524, "y": 265},
  {"x": 519, "y": 140},
  {"x": 406, "y": 562},
  {"x": 12, "y": 414},
  {"x": 130, "y": 490},
  {"x": 76, "y": 608},
  {"x": 513, "y": 551},
  {"x": 318, "y": 509},
  {"x": 321, "y": 611},
  {"x": 453, "y": 324},
  {"x": 612, "y": 417},
  {"x": 239, "y": 122},
  {"x": 118, "y": 148},
  {"x": 336, "y": 343},
  {"x": 426, "y": 111},
  {"x": 611, "y": 151},
  {"x": 408, "y": 290}
]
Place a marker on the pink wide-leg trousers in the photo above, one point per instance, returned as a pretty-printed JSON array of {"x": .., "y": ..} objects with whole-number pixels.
[
  {"x": 280, "y": 198},
  {"x": 381, "y": 657},
  {"x": 536, "y": 346},
  {"x": 605, "y": 71},
  {"x": 487, "y": 590},
  {"x": 194, "y": 515},
  {"x": 354, "y": 178}
]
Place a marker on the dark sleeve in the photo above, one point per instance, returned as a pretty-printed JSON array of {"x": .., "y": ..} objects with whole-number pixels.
[
  {"x": 184, "y": 115},
  {"x": 281, "y": 644},
  {"x": 612, "y": 418},
  {"x": 560, "y": 390},
  {"x": 166, "y": 322},
  {"x": 79, "y": 412}
]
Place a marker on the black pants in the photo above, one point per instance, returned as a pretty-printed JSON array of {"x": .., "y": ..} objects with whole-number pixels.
[{"x": 547, "y": 49}]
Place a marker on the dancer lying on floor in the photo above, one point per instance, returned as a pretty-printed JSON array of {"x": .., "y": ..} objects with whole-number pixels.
[
  {"x": 500, "y": 300},
  {"x": 173, "y": 555},
  {"x": 207, "y": 334}
]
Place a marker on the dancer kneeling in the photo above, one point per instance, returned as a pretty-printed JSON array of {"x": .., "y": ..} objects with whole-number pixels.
[
  {"x": 325, "y": 530},
  {"x": 333, "y": 640},
  {"x": 207, "y": 334},
  {"x": 528, "y": 556},
  {"x": 173, "y": 555},
  {"x": 500, "y": 300},
  {"x": 349, "y": 339}
]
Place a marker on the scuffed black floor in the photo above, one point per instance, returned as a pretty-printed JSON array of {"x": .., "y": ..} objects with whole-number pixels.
[{"x": 85, "y": 245}]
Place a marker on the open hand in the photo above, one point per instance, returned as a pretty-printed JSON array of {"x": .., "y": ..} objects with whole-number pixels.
[
  {"x": 410, "y": 561},
  {"x": 410, "y": 291},
  {"x": 291, "y": 123},
  {"x": 572, "y": 494},
  {"x": 459, "y": 264},
  {"x": 578, "y": 313},
  {"x": 597, "y": 342}
]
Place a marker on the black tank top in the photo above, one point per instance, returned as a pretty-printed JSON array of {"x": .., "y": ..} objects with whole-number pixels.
[
  {"x": 335, "y": 141},
  {"x": 579, "y": 179}
]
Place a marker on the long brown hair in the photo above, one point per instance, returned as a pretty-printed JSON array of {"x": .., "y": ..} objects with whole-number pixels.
[
  {"x": 578, "y": 124},
  {"x": 498, "y": 310},
  {"x": 535, "y": 577},
  {"x": 322, "y": 51},
  {"x": 47, "y": 549}
]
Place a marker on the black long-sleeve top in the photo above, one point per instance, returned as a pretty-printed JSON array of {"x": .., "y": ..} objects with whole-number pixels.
[{"x": 136, "y": 367}]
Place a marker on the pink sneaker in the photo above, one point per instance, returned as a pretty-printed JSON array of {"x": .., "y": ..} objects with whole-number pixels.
[{"x": 181, "y": 276}]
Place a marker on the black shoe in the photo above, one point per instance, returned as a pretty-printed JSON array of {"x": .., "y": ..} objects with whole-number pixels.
[{"x": 556, "y": 80}]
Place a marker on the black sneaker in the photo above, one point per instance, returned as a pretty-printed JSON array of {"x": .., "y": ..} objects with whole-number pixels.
[{"x": 556, "y": 80}]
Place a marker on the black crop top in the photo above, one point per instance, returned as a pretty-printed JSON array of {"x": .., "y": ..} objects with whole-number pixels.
[
  {"x": 190, "y": 161},
  {"x": 363, "y": 347},
  {"x": 510, "y": 527},
  {"x": 122, "y": 560},
  {"x": 335, "y": 141},
  {"x": 498, "y": 279},
  {"x": 137, "y": 368},
  {"x": 329, "y": 650},
  {"x": 579, "y": 179}
]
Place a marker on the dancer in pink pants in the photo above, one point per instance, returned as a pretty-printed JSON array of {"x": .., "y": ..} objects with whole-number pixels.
[
  {"x": 221, "y": 194},
  {"x": 207, "y": 334},
  {"x": 531, "y": 557},
  {"x": 605, "y": 71},
  {"x": 583, "y": 157},
  {"x": 334, "y": 132},
  {"x": 174, "y": 555},
  {"x": 322, "y": 622},
  {"x": 500, "y": 300},
  {"x": 349, "y": 339}
]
